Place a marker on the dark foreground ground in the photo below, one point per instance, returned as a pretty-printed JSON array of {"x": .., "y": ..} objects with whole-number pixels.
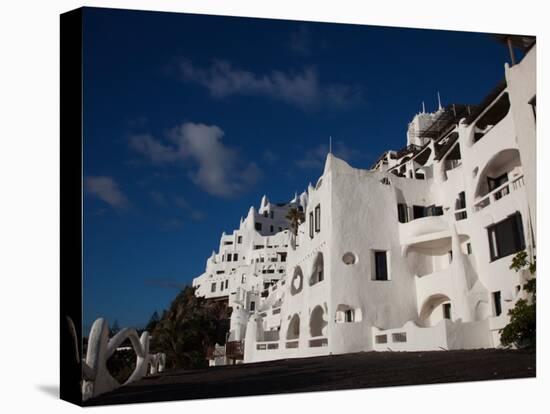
[{"x": 335, "y": 372}]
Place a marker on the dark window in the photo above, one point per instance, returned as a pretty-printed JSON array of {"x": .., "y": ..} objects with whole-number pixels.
[
  {"x": 318, "y": 218},
  {"x": 240, "y": 239},
  {"x": 252, "y": 306},
  {"x": 265, "y": 213},
  {"x": 283, "y": 257},
  {"x": 235, "y": 257},
  {"x": 280, "y": 229},
  {"x": 271, "y": 229},
  {"x": 258, "y": 226},
  {"x": 213, "y": 287},
  {"x": 447, "y": 310},
  {"x": 402, "y": 212},
  {"x": 469, "y": 248},
  {"x": 381, "y": 266},
  {"x": 348, "y": 315},
  {"x": 506, "y": 237},
  {"x": 271, "y": 214},
  {"x": 229, "y": 256},
  {"x": 433, "y": 211},
  {"x": 461, "y": 202},
  {"x": 226, "y": 283},
  {"x": 497, "y": 303},
  {"x": 419, "y": 211},
  {"x": 496, "y": 182},
  {"x": 311, "y": 225}
]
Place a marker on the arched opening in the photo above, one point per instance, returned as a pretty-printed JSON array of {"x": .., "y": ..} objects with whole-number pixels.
[
  {"x": 318, "y": 322},
  {"x": 423, "y": 157},
  {"x": 346, "y": 314},
  {"x": 293, "y": 331},
  {"x": 503, "y": 167},
  {"x": 436, "y": 308},
  {"x": 297, "y": 281},
  {"x": 492, "y": 116},
  {"x": 317, "y": 274}
]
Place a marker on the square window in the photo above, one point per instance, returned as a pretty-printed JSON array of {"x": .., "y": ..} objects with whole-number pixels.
[
  {"x": 506, "y": 237},
  {"x": 258, "y": 226}
]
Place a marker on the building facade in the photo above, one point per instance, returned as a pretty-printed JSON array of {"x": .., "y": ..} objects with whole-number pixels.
[{"x": 410, "y": 254}]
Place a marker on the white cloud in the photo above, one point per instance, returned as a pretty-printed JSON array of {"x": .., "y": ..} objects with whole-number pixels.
[
  {"x": 219, "y": 169},
  {"x": 156, "y": 151},
  {"x": 315, "y": 158},
  {"x": 106, "y": 189},
  {"x": 301, "y": 88},
  {"x": 213, "y": 166}
]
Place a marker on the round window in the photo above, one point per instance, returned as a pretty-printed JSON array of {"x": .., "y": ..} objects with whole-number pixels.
[{"x": 349, "y": 258}]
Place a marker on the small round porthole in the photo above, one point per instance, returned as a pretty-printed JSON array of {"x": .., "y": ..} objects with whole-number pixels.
[{"x": 349, "y": 258}]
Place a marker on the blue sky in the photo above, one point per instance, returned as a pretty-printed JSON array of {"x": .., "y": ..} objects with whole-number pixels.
[{"x": 190, "y": 119}]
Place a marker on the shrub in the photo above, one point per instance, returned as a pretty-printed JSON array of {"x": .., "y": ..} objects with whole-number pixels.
[{"x": 521, "y": 331}]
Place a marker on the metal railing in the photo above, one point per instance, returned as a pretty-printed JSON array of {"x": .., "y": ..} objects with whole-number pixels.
[{"x": 499, "y": 193}]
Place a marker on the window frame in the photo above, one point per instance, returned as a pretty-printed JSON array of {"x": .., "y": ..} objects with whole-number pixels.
[
  {"x": 493, "y": 237},
  {"x": 317, "y": 218},
  {"x": 384, "y": 276}
]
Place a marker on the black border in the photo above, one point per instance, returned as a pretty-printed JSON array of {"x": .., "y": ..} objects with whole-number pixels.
[{"x": 71, "y": 205}]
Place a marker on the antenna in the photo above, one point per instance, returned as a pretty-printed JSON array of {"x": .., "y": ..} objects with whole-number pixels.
[
  {"x": 330, "y": 144},
  {"x": 439, "y": 101},
  {"x": 423, "y": 108}
]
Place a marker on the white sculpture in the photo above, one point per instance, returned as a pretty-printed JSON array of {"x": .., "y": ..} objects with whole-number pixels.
[{"x": 96, "y": 377}]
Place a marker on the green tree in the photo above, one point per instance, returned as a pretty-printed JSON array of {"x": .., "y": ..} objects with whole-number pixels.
[
  {"x": 189, "y": 327},
  {"x": 295, "y": 218},
  {"x": 521, "y": 331}
]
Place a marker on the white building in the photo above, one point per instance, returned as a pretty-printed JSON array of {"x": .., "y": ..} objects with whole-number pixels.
[{"x": 412, "y": 254}]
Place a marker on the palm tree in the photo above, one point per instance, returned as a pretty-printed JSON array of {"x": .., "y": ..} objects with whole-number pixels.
[{"x": 295, "y": 217}]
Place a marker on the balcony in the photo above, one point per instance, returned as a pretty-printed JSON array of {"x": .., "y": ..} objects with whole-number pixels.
[
  {"x": 499, "y": 193},
  {"x": 423, "y": 229}
]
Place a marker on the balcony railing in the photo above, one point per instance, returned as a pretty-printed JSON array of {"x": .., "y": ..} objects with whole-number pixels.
[
  {"x": 461, "y": 214},
  {"x": 267, "y": 346},
  {"x": 499, "y": 193}
]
